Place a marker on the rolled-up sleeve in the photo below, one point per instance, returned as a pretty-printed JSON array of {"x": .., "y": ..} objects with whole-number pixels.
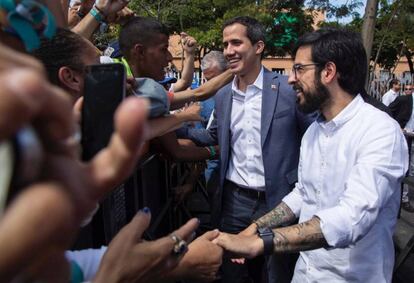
[
  {"x": 294, "y": 200},
  {"x": 373, "y": 180}
]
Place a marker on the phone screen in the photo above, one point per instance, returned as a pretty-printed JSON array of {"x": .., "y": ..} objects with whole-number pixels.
[{"x": 104, "y": 90}]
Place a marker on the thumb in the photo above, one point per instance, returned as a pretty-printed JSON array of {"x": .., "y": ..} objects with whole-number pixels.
[{"x": 211, "y": 235}]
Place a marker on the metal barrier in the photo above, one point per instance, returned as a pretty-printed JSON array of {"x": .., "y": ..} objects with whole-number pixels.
[
  {"x": 151, "y": 186},
  {"x": 379, "y": 83}
]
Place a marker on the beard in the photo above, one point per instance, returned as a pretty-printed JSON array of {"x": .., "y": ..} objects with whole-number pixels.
[{"x": 313, "y": 99}]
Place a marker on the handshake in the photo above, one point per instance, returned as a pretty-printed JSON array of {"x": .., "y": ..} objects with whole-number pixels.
[{"x": 169, "y": 258}]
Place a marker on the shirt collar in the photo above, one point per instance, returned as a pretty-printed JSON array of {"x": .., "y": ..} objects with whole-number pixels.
[
  {"x": 344, "y": 116},
  {"x": 258, "y": 83}
]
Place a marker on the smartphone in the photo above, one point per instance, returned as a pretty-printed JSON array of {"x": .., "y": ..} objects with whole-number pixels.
[{"x": 104, "y": 90}]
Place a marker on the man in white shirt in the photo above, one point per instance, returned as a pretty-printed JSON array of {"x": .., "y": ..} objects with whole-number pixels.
[
  {"x": 393, "y": 93},
  {"x": 351, "y": 162}
]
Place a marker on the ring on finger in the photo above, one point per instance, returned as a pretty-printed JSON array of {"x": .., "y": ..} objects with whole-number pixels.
[{"x": 180, "y": 246}]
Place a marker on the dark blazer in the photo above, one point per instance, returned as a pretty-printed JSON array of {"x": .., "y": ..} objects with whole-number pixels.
[
  {"x": 282, "y": 127},
  {"x": 401, "y": 109}
]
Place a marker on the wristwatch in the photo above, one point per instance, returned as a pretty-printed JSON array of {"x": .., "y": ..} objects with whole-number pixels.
[{"x": 267, "y": 235}]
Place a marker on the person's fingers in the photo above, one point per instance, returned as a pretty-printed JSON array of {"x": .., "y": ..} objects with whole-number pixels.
[
  {"x": 23, "y": 226},
  {"x": 238, "y": 260},
  {"x": 10, "y": 59},
  {"x": 211, "y": 235},
  {"x": 77, "y": 109},
  {"x": 26, "y": 95},
  {"x": 136, "y": 228},
  {"x": 22, "y": 96},
  {"x": 116, "y": 162},
  {"x": 132, "y": 82},
  {"x": 185, "y": 231},
  {"x": 221, "y": 239},
  {"x": 55, "y": 120}
]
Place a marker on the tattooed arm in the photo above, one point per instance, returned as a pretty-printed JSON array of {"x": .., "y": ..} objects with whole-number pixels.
[
  {"x": 299, "y": 237},
  {"x": 280, "y": 215}
]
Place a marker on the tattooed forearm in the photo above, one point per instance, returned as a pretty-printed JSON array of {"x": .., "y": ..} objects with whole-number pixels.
[
  {"x": 300, "y": 237},
  {"x": 281, "y": 215}
]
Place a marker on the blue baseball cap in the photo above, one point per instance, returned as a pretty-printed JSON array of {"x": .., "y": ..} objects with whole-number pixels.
[{"x": 168, "y": 80}]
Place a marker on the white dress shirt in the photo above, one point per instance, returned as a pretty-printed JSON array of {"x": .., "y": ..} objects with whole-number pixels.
[
  {"x": 246, "y": 162},
  {"x": 349, "y": 176},
  {"x": 389, "y": 97}
]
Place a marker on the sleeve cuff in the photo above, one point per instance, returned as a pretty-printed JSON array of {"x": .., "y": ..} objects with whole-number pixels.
[
  {"x": 335, "y": 229},
  {"x": 294, "y": 202}
]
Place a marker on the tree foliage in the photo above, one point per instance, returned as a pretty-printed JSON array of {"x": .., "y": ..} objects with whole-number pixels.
[
  {"x": 394, "y": 33},
  {"x": 284, "y": 21}
]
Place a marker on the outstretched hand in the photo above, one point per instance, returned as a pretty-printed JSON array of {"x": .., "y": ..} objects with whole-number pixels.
[
  {"x": 131, "y": 259},
  {"x": 240, "y": 246},
  {"x": 202, "y": 261},
  {"x": 67, "y": 189}
]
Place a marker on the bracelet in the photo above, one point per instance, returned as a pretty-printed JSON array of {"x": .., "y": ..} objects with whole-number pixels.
[
  {"x": 208, "y": 149},
  {"x": 212, "y": 151},
  {"x": 97, "y": 14}
]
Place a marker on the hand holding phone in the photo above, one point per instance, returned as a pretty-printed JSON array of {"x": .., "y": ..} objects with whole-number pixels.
[{"x": 104, "y": 90}]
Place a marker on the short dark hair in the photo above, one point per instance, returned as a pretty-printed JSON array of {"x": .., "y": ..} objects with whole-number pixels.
[
  {"x": 63, "y": 49},
  {"x": 342, "y": 47},
  {"x": 139, "y": 30},
  {"x": 254, "y": 29},
  {"x": 393, "y": 82}
]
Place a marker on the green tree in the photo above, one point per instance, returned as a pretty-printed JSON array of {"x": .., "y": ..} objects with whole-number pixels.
[
  {"x": 284, "y": 21},
  {"x": 394, "y": 34}
]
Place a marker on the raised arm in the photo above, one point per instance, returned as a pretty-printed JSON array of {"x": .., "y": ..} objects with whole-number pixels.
[
  {"x": 103, "y": 9},
  {"x": 204, "y": 92},
  {"x": 189, "y": 47}
]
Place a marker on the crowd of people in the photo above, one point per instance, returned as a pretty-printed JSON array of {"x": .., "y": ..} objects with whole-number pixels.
[{"x": 304, "y": 171}]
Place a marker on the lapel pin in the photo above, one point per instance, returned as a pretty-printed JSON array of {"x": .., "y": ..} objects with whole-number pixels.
[{"x": 273, "y": 87}]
